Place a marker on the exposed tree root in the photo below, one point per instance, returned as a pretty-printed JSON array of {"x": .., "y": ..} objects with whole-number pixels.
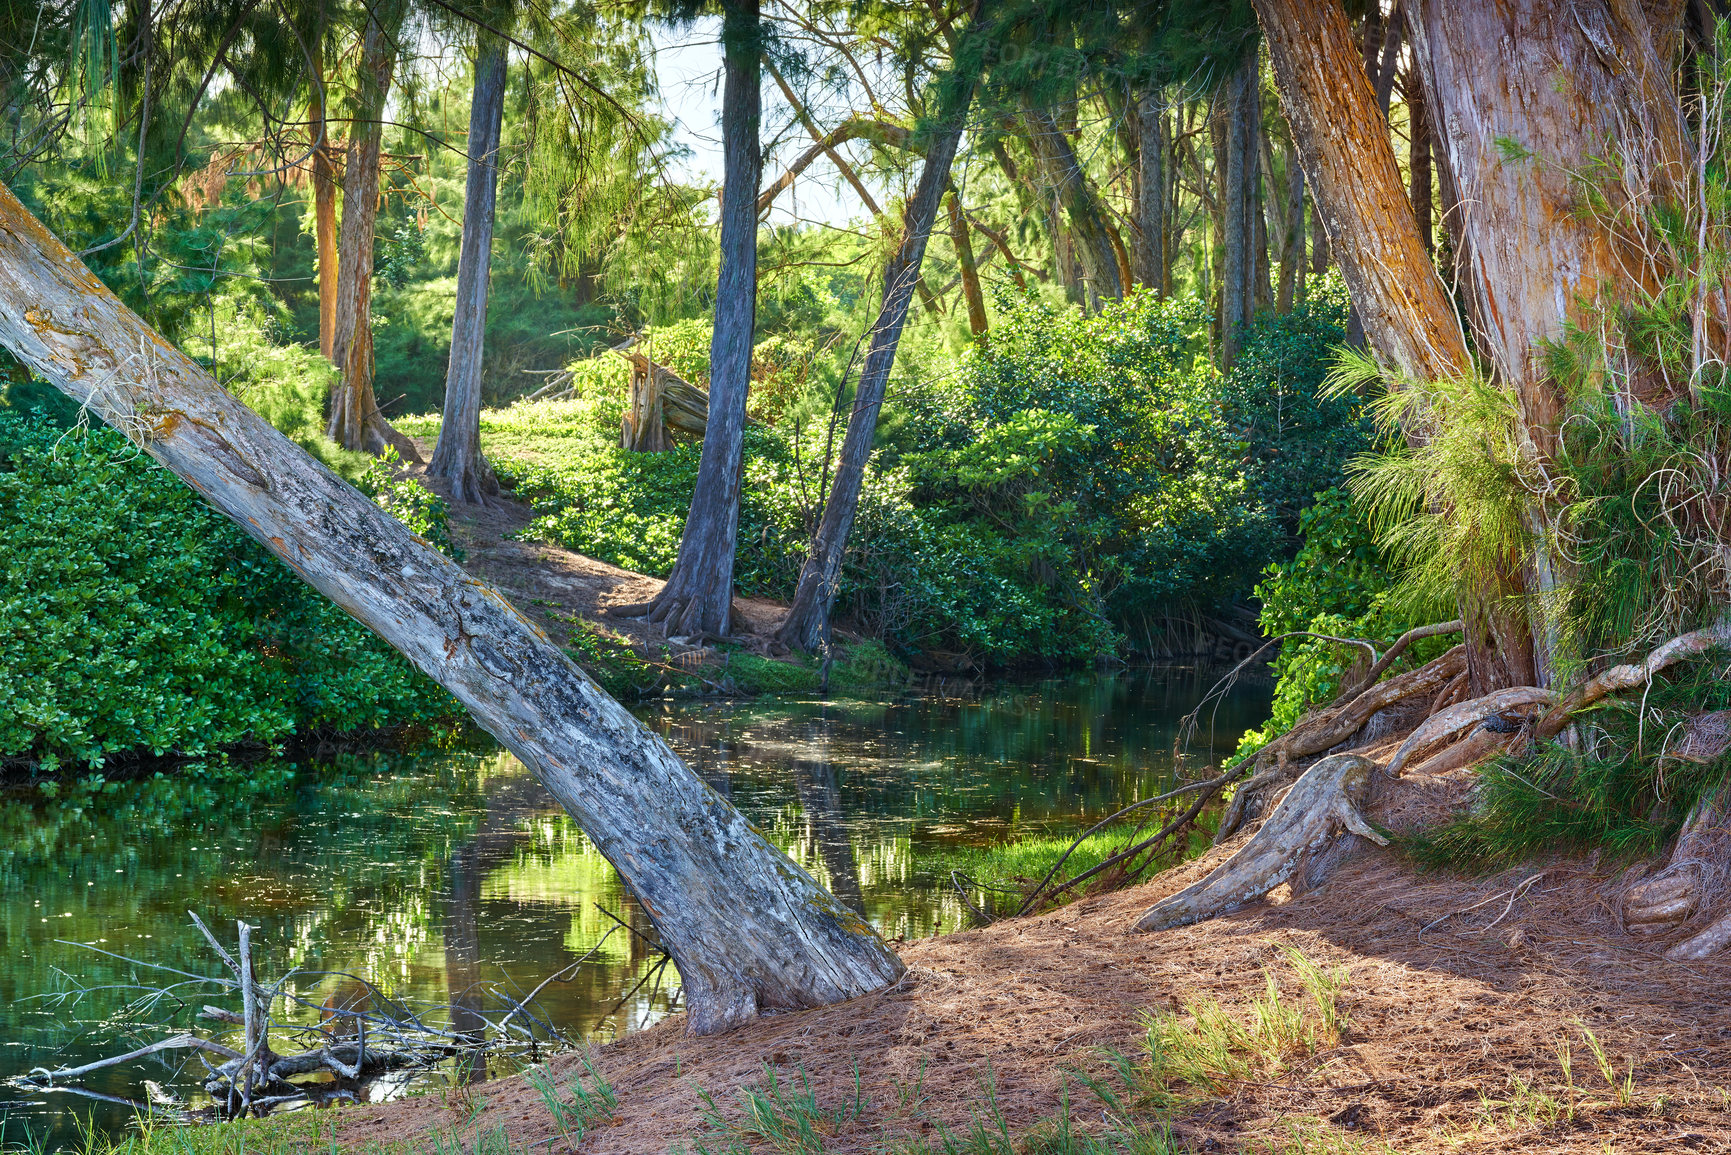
[
  {"x": 1295, "y": 842},
  {"x": 1627, "y": 677},
  {"x": 1329, "y": 728},
  {"x": 1302, "y": 838},
  {"x": 1457, "y": 720}
]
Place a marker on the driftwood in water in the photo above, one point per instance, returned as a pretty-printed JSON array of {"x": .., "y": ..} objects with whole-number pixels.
[
  {"x": 660, "y": 406},
  {"x": 1296, "y": 842},
  {"x": 356, "y": 1035}
]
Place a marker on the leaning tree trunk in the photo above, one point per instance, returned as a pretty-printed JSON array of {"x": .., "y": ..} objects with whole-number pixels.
[
  {"x": 356, "y": 422},
  {"x": 803, "y": 628},
  {"x": 748, "y": 929},
  {"x": 457, "y": 457},
  {"x": 1358, "y": 191},
  {"x": 1081, "y": 202},
  {"x": 698, "y": 596}
]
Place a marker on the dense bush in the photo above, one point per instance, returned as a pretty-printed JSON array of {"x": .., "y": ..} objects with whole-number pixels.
[
  {"x": 1080, "y": 479},
  {"x": 134, "y": 619}
]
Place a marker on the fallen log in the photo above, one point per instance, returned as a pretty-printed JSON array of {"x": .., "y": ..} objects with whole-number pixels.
[{"x": 1321, "y": 806}]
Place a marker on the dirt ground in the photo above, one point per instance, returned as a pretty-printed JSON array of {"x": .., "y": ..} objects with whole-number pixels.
[
  {"x": 1454, "y": 992},
  {"x": 553, "y": 585}
]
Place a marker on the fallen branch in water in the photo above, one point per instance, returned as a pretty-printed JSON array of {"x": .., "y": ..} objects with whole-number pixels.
[{"x": 359, "y": 1034}]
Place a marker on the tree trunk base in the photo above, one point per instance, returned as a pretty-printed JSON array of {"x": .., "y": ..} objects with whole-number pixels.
[{"x": 1300, "y": 842}]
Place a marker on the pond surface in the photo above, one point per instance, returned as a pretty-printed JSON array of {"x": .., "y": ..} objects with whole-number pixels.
[{"x": 442, "y": 873}]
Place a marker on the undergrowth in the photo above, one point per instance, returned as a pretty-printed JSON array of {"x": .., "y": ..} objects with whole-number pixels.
[{"x": 1622, "y": 792}]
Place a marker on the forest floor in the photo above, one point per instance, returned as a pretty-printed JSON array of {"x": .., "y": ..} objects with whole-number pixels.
[
  {"x": 557, "y": 588},
  {"x": 1469, "y": 1003}
]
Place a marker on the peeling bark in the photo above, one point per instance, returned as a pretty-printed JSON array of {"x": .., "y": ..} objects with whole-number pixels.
[
  {"x": 748, "y": 929},
  {"x": 1358, "y": 191}
]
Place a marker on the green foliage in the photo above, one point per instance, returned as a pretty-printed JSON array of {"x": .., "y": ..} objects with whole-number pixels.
[
  {"x": 410, "y": 502},
  {"x": 134, "y": 619},
  {"x": 1338, "y": 584},
  {"x": 1299, "y": 435},
  {"x": 1621, "y": 794}
]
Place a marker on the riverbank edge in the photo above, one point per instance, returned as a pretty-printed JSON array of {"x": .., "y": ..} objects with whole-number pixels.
[{"x": 1467, "y": 1005}]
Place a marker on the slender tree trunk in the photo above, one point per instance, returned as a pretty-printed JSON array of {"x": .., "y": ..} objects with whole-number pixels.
[
  {"x": 324, "y": 196},
  {"x": 1418, "y": 160},
  {"x": 749, "y": 930},
  {"x": 1240, "y": 212},
  {"x": 1358, "y": 191},
  {"x": 1151, "y": 210},
  {"x": 967, "y": 266},
  {"x": 1292, "y": 240},
  {"x": 356, "y": 422},
  {"x": 457, "y": 458},
  {"x": 804, "y": 626},
  {"x": 698, "y": 596}
]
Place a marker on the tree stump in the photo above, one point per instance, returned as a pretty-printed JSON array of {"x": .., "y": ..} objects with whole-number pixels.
[{"x": 660, "y": 406}]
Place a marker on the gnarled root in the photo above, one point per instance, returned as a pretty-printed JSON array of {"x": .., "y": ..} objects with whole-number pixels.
[
  {"x": 1301, "y": 832},
  {"x": 1328, "y": 728},
  {"x": 1686, "y": 887},
  {"x": 1446, "y": 725}
]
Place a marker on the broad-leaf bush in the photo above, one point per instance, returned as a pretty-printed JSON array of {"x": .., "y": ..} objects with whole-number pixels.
[
  {"x": 1072, "y": 486},
  {"x": 135, "y": 619}
]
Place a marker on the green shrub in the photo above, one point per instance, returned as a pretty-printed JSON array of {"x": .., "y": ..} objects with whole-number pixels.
[{"x": 134, "y": 619}]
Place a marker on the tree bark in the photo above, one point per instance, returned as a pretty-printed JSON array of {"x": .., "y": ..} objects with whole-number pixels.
[
  {"x": 356, "y": 422},
  {"x": 967, "y": 266},
  {"x": 1418, "y": 161},
  {"x": 1151, "y": 205},
  {"x": 1292, "y": 240},
  {"x": 324, "y": 196},
  {"x": 698, "y": 596},
  {"x": 457, "y": 457},
  {"x": 1358, "y": 191},
  {"x": 749, "y": 930},
  {"x": 819, "y": 577},
  {"x": 1518, "y": 142},
  {"x": 1241, "y": 212}
]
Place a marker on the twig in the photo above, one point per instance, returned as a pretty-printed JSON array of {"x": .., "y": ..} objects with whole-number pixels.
[{"x": 177, "y": 1042}]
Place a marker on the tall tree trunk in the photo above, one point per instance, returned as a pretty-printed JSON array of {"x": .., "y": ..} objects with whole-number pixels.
[
  {"x": 324, "y": 194},
  {"x": 748, "y": 929},
  {"x": 1292, "y": 240},
  {"x": 1418, "y": 160},
  {"x": 804, "y": 626},
  {"x": 698, "y": 596},
  {"x": 356, "y": 422},
  {"x": 1241, "y": 212},
  {"x": 1151, "y": 183},
  {"x": 1358, "y": 191},
  {"x": 968, "y": 268},
  {"x": 457, "y": 457},
  {"x": 1539, "y": 263},
  {"x": 1079, "y": 200}
]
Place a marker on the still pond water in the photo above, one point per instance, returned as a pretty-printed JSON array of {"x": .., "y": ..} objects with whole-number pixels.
[{"x": 438, "y": 873}]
